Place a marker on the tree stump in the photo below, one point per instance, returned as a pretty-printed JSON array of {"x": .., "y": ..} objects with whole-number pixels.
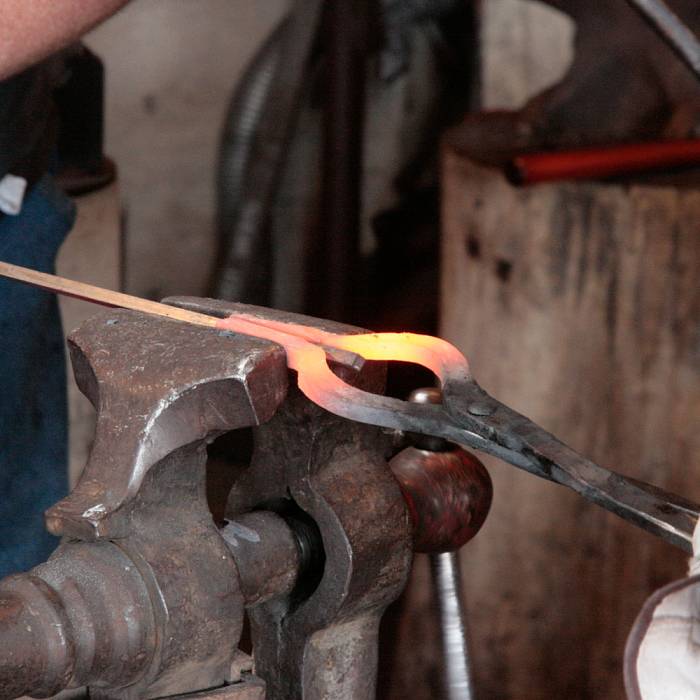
[{"x": 579, "y": 306}]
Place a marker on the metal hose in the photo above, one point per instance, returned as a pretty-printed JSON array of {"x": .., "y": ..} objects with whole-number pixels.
[{"x": 242, "y": 119}]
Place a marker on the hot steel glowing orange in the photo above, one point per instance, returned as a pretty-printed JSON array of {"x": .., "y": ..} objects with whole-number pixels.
[{"x": 304, "y": 347}]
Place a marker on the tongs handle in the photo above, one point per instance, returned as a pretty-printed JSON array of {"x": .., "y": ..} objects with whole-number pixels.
[{"x": 519, "y": 441}]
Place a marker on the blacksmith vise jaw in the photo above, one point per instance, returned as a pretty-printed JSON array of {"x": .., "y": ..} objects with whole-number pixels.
[{"x": 145, "y": 596}]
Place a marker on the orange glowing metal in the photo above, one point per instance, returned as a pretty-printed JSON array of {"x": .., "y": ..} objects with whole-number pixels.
[{"x": 305, "y": 345}]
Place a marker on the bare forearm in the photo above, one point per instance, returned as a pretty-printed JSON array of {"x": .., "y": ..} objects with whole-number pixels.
[{"x": 33, "y": 29}]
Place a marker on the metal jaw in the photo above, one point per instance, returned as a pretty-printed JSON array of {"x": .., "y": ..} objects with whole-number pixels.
[
  {"x": 145, "y": 597},
  {"x": 325, "y": 645},
  {"x": 144, "y": 591}
]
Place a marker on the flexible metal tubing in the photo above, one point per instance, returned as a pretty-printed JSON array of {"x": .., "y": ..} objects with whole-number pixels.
[{"x": 242, "y": 119}]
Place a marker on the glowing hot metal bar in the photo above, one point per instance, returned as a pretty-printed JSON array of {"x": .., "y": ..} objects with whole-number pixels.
[{"x": 468, "y": 415}]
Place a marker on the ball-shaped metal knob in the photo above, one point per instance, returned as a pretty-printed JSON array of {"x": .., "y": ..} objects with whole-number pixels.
[
  {"x": 448, "y": 494},
  {"x": 447, "y": 489}
]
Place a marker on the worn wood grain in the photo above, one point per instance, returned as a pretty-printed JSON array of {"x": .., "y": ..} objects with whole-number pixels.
[{"x": 578, "y": 305}]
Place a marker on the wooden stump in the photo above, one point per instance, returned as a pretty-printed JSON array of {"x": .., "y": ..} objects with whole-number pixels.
[{"x": 578, "y": 305}]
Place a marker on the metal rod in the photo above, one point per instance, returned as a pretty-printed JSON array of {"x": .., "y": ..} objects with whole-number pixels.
[
  {"x": 606, "y": 161},
  {"x": 681, "y": 39},
  {"x": 453, "y": 626},
  {"x": 104, "y": 297}
]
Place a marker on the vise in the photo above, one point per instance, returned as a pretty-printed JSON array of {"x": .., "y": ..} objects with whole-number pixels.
[{"x": 145, "y": 596}]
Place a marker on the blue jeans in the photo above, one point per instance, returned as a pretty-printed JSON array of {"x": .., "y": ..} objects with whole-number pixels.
[{"x": 33, "y": 406}]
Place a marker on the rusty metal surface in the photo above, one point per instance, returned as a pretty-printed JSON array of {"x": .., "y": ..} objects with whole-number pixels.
[
  {"x": 142, "y": 598},
  {"x": 248, "y": 688},
  {"x": 448, "y": 494},
  {"x": 325, "y": 644},
  {"x": 145, "y": 597},
  {"x": 335, "y": 471},
  {"x": 85, "y": 614},
  {"x": 267, "y": 555},
  {"x": 149, "y": 377}
]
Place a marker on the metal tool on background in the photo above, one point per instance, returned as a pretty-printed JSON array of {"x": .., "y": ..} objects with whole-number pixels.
[
  {"x": 290, "y": 173},
  {"x": 468, "y": 415},
  {"x": 255, "y": 149},
  {"x": 677, "y": 34},
  {"x": 624, "y": 85}
]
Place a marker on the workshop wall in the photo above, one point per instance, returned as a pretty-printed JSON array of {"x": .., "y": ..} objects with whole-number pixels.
[
  {"x": 171, "y": 66},
  {"x": 576, "y": 304},
  {"x": 526, "y": 46}
]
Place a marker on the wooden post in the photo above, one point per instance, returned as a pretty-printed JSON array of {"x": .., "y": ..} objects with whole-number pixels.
[{"x": 578, "y": 305}]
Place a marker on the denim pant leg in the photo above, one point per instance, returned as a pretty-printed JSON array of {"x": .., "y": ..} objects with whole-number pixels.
[{"x": 33, "y": 405}]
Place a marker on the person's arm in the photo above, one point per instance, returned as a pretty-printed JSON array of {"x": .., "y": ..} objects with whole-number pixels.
[{"x": 31, "y": 30}]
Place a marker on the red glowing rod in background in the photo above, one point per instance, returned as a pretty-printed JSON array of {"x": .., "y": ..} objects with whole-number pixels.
[{"x": 603, "y": 162}]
